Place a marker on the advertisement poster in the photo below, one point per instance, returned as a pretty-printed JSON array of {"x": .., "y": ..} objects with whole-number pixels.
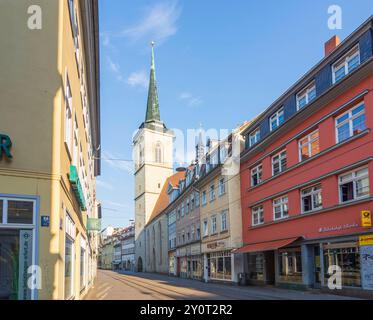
[{"x": 367, "y": 267}]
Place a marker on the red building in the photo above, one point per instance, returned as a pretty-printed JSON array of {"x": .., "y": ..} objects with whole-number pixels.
[{"x": 307, "y": 174}]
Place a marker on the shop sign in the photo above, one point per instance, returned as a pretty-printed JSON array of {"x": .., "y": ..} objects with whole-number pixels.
[
  {"x": 339, "y": 227},
  {"x": 366, "y": 254},
  {"x": 5, "y": 146},
  {"x": 45, "y": 221},
  {"x": 77, "y": 187},
  {"x": 93, "y": 224},
  {"x": 366, "y": 240},
  {"x": 217, "y": 244},
  {"x": 25, "y": 261},
  {"x": 366, "y": 218}
]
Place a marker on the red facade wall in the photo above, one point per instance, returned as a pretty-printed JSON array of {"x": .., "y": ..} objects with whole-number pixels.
[{"x": 308, "y": 225}]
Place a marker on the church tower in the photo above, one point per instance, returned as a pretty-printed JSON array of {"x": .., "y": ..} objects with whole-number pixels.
[{"x": 153, "y": 157}]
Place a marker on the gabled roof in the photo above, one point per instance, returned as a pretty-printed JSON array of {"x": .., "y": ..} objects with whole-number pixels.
[{"x": 163, "y": 198}]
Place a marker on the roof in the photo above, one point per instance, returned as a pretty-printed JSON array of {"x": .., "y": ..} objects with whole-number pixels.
[{"x": 163, "y": 198}]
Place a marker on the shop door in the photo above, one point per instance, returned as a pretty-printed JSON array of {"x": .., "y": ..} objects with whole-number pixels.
[
  {"x": 317, "y": 267},
  {"x": 15, "y": 258},
  {"x": 269, "y": 257}
]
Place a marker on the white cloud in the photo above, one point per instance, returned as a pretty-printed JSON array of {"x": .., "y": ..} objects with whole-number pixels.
[
  {"x": 190, "y": 99},
  {"x": 116, "y": 204},
  {"x": 118, "y": 162},
  {"x": 104, "y": 185},
  {"x": 115, "y": 69},
  {"x": 138, "y": 79},
  {"x": 158, "y": 23},
  {"x": 105, "y": 39}
]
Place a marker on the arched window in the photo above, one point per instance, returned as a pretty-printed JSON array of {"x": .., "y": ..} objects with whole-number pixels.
[{"x": 158, "y": 152}]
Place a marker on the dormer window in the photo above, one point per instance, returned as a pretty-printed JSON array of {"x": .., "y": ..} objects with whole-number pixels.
[
  {"x": 276, "y": 119},
  {"x": 346, "y": 64},
  {"x": 254, "y": 137},
  {"x": 306, "y": 96}
]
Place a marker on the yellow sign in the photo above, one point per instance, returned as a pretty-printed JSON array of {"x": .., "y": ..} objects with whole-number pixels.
[
  {"x": 366, "y": 240},
  {"x": 366, "y": 218}
]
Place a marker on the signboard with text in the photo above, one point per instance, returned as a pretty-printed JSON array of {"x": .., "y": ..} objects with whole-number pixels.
[{"x": 366, "y": 218}]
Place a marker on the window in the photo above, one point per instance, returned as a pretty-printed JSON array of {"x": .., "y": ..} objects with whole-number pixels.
[
  {"x": 198, "y": 233},
  {"x": 350, "y": 123},
  {"x": 197, "y": 199},
  {"x": 311, "y": 199},
  {"x": 221, "y": 186},
  {"x": 224, "y": 225},
  {"x": 279, "y": 163},
  {"x": 20, "y": 212},
  {"x": 214, "y": 228},
  {"x": 205, "y": 228},
  {"x": 280, "y": 208},
  {"x": 192, "y": 203},
  {"x": 306, "y": 96},
  {"x": 354, "y": 185},
  {"x": 309, "y": 146},
  {"x": 276, "y": 119},
  {"x": 192, "y": 233},
  {"x": 68, "y": 114},
  {"x": 223, "y": 153},
  {"x": 182, "y": 209},
  {"x": 178, "y": 213},
  {"x": 254, "y": 137},
  {"x": 204, "y": 200},
  {"x": 212, "y": 192},
  {"x": 346, "y": 65},
  {"x": 256, "y": 175},
  {"x": 158, "y": 153},
  {"x": 257, "y": 215},
  {"x": 187, "y": 207},
  {"x": 82, "y": 268},
  {"x": 70, "y": 234},
  {"x": 290, "y": 264}
]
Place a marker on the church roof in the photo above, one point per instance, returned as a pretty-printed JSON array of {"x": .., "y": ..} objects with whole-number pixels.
[{"x": 163, "y": 198}]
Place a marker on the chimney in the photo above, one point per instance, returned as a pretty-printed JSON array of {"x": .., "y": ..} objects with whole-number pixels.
[{"x": 331, "y": 44}]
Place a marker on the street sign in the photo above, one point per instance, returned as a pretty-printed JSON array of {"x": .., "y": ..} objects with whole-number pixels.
[
  {"x": 366, "y": 218},
  {"x": 366, "y": 240},
  {"x": 45, "y": 221},
  {"x": 94, "y": 224}
]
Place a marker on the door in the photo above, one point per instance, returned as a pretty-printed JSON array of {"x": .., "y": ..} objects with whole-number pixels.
[{"x": 269, "y": 262}]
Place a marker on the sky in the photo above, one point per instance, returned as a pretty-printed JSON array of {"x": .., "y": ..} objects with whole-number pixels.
[{"x": 218, "y": 63}]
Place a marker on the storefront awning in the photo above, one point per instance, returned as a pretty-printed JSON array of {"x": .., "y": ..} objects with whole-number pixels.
[{"x": 266, "y": 246}]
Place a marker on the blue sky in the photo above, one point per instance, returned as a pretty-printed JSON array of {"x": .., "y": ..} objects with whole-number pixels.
[{"x": 218, "y": 63}]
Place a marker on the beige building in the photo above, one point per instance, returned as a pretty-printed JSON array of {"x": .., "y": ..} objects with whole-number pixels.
[
  {"x": 152, "y": 151},
  {"x": 50, "y": 140},
  {"x": 220, "y": 211}
]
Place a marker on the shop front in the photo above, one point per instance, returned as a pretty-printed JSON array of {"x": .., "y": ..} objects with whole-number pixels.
[
  {"x": 18, "y": 243},
  {"x": 189, "y": 261}
]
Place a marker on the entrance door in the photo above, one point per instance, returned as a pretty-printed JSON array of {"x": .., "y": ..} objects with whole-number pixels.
[
  {"x": 269, "y": 262},
  {"x": 317, "y": 267}
]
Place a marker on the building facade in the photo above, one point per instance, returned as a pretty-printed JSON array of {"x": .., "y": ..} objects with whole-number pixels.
[
  {"x": 128, "y": 249},
  {"x": 50, "y": 139},
  {"x": 220, "y": 211},
  {"x": 307, "y": 173},
  {"x": 152, "y": 146}
]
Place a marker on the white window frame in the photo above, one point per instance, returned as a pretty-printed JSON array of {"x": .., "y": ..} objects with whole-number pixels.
[
  {"x": 312, "y": 193},
  {"x": 276, "y": 116},
  {"x": 281, "y": 205},
  {"x": 214, "y": 225},
  {"x": 349, "y": 120},
  {"x": 355, "y": 51},
  {"x": 255, "y": 171},
  {"x": 224, "y": 215},
  {"x": 204, "y": 198},
  {"x": 221, "y": 187},
  {"x": 304, "y": 93},
  {"x": 308, "y": 144},
  {"x": 257, "y": 212},
  {"x": 255, "y": 135},
  {"x": 212, "y": 192},
  {"x": 279, "y": 160},
  {"x": 354, "y": 179},
  {"x": 205, "y": 227}
]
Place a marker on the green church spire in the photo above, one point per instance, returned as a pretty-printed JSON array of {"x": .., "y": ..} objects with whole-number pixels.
[{"x": 152, "y": 110}]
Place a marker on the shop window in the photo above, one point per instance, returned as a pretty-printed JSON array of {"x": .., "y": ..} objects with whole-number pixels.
[
  {"x": 220, "y": 265},
  {"x": 354, "y": 185},
  {"x": 20, "y": 212},
  {"x": 82, "y": 268},
  {"x": 309, "y": 146},
  {"x": 290, "y": 265},
  {"x": 311, "y": 199},
  {"x": 256, "y": 266},
  {"x": 348, "y": 259},
  {"x": 70, "y": 233},
  {"x": 1, "y": 211}
]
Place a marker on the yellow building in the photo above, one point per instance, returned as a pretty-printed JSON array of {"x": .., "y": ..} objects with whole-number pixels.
[
  {"x": 49, "y": 143},
  {"x": 220, "y": 211}
]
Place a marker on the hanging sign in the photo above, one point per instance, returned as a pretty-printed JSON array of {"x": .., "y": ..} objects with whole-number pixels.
[{"x": 366, "y": 218}]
